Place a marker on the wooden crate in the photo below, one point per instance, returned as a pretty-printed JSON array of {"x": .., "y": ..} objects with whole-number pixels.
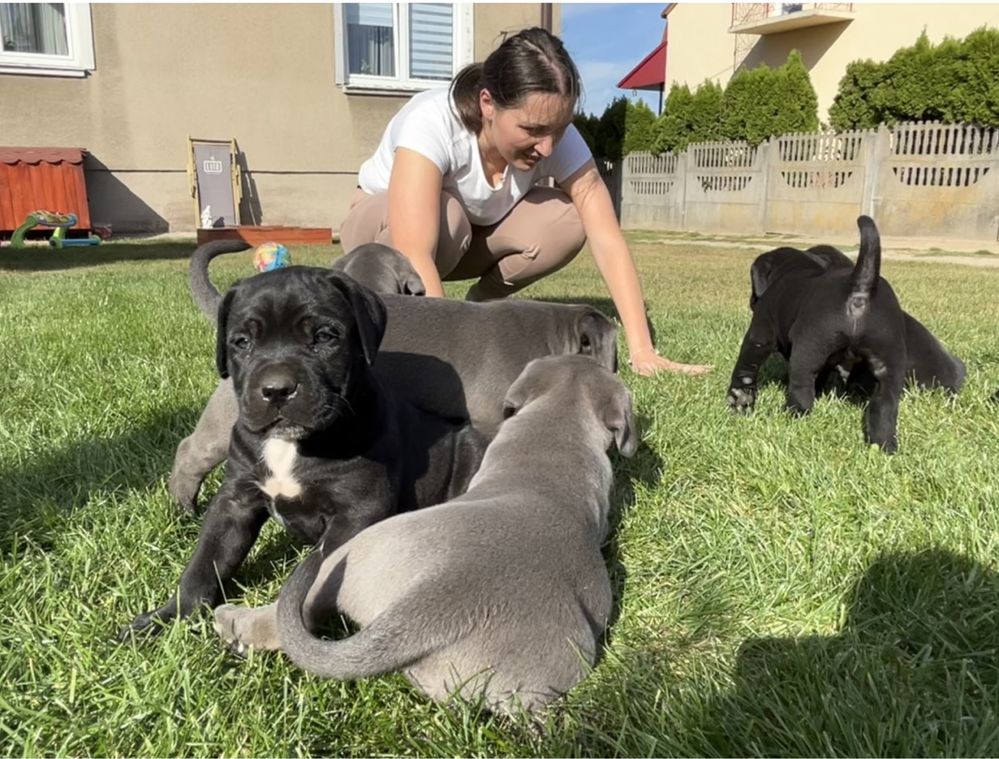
[{"x": 256, "y": 235}]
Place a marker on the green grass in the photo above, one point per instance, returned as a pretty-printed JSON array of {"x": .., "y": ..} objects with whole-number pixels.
[{"x": 782, "y": 588}]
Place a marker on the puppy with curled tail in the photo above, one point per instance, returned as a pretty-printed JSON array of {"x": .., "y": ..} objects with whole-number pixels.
[
  {"x": 378, "y": 267},
  {"x": 826, "y": 314},
  {"x": 501, "y": 592},
  {"x": 451, "y": 358}
]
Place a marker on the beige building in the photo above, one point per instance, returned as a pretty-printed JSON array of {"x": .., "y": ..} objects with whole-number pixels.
[
  {"x": 305, "y": 89},
  {"x": 714, "y": 40}
]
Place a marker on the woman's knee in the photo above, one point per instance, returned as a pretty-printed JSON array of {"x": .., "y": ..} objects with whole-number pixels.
[{"x": 554, "y": 230}]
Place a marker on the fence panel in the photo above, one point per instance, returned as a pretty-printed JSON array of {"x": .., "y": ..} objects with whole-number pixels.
[
  {"x": 724, "y": 186},
  {"x": 940, "y": 180},
  {"x": 914, "y": 179},
  {"x": 814, "y": 181}
]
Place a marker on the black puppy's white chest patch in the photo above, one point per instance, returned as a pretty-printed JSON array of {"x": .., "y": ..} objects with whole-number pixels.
[{"x": 278, "y": 480}]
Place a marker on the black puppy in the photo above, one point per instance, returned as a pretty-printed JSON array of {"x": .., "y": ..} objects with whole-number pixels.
[
  {"x": 320, "y": 444},
  {"x": 824, "y": 313},
  {"x": 928, "y": 364}
]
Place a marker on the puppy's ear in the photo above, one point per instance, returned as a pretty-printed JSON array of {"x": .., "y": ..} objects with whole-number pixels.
[
  {"x": 598, "y": 338},
  {"x": 759, "y": 276},
  {"x": 518, "y": 394},
  {"x": 619, "y": 419},
  {"x": 221, "y": 341},
  {"x": 413, "y": 285},
  {"x": 369, "y": 313}
]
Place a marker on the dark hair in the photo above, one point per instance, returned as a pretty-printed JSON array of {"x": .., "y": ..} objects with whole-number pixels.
[{"x": 533, "y": 60}]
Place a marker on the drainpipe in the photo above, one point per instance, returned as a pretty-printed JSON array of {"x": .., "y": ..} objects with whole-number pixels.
[{"x": 546, "y": 16}]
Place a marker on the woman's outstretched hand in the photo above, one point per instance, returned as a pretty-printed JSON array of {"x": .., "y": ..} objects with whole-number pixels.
[{"x": 648, "y": 362}]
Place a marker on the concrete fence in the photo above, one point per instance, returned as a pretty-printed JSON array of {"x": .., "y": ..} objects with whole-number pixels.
[{"x": 914, "y": 179}]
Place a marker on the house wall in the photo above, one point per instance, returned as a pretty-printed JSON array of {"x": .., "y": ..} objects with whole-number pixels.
[
  {"x": 700, "y": 46},
  {"x": 261, "y": 73}
]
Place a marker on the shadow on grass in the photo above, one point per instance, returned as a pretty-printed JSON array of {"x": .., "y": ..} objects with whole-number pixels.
[
  {"x": 913, "y": 671},
  {"x": 57, "y": 259},
  {"x": 644, "y": 467},
  {"x": 41, "y": 493}
]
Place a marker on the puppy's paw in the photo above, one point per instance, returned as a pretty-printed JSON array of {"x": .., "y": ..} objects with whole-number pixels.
[
  {"x": 741, "y": 399},
  {"x": 147, "y": 625},
  {"x": 184, "y": 494},
  {"x": 226, "y": 623},
  {"x": 243, "y": 627}
]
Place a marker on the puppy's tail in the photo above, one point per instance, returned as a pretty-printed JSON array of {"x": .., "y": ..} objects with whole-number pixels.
[
  {"x": 865, "y": 275},
  {"x": 386, "y": 645},
  {"x": 205, "y": 295}
]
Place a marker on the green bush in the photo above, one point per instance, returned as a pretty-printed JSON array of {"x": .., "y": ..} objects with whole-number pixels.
[
  {"x": 639, "y": 128},
  {"x": 762, "y": 102},
  {"x": 689, "y": 117},
  {"x": 953, "y": 82},
  {"x": 856, "y": 105},
  {"x": 757, "y": 104},
  {"x": 624, "y": 127}
]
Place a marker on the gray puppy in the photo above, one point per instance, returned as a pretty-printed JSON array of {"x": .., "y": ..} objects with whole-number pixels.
[
  {"x": 501, "y": 592},
  {"x": 381, "y": 269},
  {"x": 378, "y": 267},
  {"x": 451, "y": 358}
]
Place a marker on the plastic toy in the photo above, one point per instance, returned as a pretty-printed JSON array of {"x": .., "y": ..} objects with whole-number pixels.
[
  {"x": 271, "y": 255},
  {"x": 60, "y": 222}
]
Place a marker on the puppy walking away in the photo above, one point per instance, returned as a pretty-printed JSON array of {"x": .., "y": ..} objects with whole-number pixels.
[{"x": 824, "y": 314}]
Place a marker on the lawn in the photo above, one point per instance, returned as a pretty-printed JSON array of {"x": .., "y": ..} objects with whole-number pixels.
[{"x": 781, "y": 588}]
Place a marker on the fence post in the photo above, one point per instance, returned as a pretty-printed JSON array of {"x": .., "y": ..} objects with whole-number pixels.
[
  {"x": 765, "y": 154},
  {"x": 625, "y": 192},
  {"x": 684, "y": 162},
  {"x": 876, "y": 146},
  {"x": 613, "y": 181}
]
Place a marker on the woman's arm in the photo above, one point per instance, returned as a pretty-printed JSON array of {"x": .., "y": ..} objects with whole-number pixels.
[
  {"x": 610, "y": 251},
  {"x": 414, "y": 199}
]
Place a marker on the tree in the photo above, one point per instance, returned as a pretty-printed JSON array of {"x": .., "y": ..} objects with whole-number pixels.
[
  {"x": 762, "y": 102},
  {"x": 638, "y": 127},
  {"x": 953, "y": 82}
]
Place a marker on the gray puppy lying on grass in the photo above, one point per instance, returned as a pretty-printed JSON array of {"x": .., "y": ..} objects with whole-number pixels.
[
  {"x": 448, "y": 357},
  {"x": 501, "y": 592}
]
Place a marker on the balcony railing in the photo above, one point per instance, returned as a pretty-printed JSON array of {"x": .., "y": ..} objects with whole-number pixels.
[{"x": 769, "y": 18}]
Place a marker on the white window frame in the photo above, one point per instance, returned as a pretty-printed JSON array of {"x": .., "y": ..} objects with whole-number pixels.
[
  {"x": 462, "y": 42},
  {"x": 79, "y": 58}
]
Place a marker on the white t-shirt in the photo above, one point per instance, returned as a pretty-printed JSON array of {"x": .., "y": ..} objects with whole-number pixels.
[{"x": 428, "y": 126}]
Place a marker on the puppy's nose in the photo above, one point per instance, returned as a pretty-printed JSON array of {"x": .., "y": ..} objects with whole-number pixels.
[{"x": 278, "y": 386}]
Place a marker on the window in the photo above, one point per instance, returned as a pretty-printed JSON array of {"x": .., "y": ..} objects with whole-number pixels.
[
  {"x": 401, "y": 46},
  {"x": 46, "y": 38}
]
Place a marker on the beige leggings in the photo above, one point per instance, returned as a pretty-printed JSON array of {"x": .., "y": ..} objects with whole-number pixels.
[{"x": 540, "y": 235}]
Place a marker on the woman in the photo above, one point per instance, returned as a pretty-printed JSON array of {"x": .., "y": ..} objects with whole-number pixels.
[{"x": 452, "y": 185}]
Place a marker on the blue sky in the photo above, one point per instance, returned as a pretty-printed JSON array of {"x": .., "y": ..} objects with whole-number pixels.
[{"x": 607, "y": 40}]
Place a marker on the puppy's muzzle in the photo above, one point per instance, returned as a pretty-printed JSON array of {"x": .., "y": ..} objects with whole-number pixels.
[{"x": 278, "y": 385}]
